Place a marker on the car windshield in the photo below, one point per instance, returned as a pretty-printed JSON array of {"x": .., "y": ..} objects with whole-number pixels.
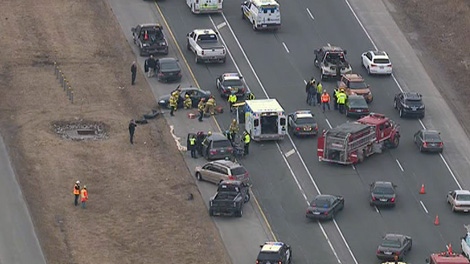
[
  {"x": 358, "y": 103},
  {"x": 391, "y": 243},
  {"x": 207, "y": 38},
  {"x": 414, "y": 102},
  {"x": 169, "y": 66},
  {"x": 357, "y": 85},
  {"x": 383, "y": 190},
  {"x": 305, "y": 120},
  {"x": 221, "y": 144},
  {"x": 432, "y": 137},
  {"x": 463, "y": 197},
  {"x": 322, "y": 202},
  {"x": 381, "y": 61},
  {"x": 272, "y": 256},
  {"x": 238, "y": 170},
  {"x": 228, "y": 83}
]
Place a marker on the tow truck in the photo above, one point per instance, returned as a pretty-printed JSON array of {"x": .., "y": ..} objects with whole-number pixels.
[{"x": 352, "y": 142}]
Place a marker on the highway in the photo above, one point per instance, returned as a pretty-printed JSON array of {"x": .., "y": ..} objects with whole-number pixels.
[{"x": 275, "y": 65}]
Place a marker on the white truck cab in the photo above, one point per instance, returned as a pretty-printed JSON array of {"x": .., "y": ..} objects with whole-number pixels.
[
  {"x": 265, "y": 119},
  {"x": 262, "y": 14},
  {"x": 205, "y": 6}
]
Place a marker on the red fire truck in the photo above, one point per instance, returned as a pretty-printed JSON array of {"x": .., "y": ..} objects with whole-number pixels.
[{"x": 352, "y": 142}]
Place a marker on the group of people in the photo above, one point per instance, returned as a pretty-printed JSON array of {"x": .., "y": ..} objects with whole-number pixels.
[
  {"x": 80, "y": 194},
  {"x": 340, "y": 98},
  {"x": 206, "y": 107},
  {"x": 316, "y": 95}
]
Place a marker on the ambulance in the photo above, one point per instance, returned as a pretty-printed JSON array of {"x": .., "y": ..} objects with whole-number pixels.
[
  {"x": 262, "y": 14},
  {"x": 265, "y": 119},
  {"x": 205, "y": 6}
]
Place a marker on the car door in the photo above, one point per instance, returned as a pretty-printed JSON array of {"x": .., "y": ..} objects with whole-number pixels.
[
  {"x": 137, "y": 33},
  {"x": 451, "y": 197},
  {"x": 419, "y": 138},
  {"x": 366, "y": 59},
  {"x": 221, "y": 173},
  {"x": 195, "y": 96},
  {"x": 208, "y": 172}
]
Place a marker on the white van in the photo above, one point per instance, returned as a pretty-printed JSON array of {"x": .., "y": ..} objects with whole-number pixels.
[
  {"x": 205, "y": 6},
  {"x": 262, "y": 14}
]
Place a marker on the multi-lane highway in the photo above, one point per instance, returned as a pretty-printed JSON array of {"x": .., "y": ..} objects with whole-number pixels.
[{"x": 275, "y": 65}]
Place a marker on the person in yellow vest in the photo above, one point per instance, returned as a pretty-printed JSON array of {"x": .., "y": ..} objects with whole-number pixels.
[
  {"x": 246, "y": 141},
  {"x": 188, "y": 103},
  {"x": 192, "y": 146},
  {"x": 341, "y": 101},
  {"x": 84, "y": 194},
  {"x": 201, "y": 106},
  {"x": 232, "y": 99},
  {"x": 319, "y": 92},
  {"x": 233, "y": 130},
  {"x": 210, "y": 105},
  {"x": 173, "y": 103},
  {"x": 76, "y": 192}
]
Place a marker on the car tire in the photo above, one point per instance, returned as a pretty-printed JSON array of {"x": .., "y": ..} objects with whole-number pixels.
[
  {"x": 400, "y": 112},
  {"x": 322, "y": 77},
  {"x": 247, "y": 198},
  {"x": 395, "y": 104},
  {"x": 196, "y": 59},
  {"x": 453, "y": 208},
  {"x": 239, "y": 213},
  {"x": 420, "y": 148},
  {"x": 198, "y": 176},
  {"x": 254, "y": 25}
]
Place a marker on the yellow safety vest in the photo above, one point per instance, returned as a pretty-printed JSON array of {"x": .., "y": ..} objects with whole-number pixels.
[
  {"x": 192, "y": 141},
  {"x": 247, "y": 139},
  {"x": 232, "y": 98}
]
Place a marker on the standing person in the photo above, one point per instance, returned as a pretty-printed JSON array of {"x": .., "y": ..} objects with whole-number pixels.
[
  {"x": 132, "y": 125},
  {"x": 76, "y": 192},
  {"x": 210, "y": 105},
  {"x": 192, "y": 146},
  {"x": 341, "y": 101},
  {"x": 246, "y": 141},
  {"x": 188, "y": 102},
  {"x": 151, "y": 64},
  {"x": 325, "y": 101},
  {"x": 310, "y": 89},
  {"x": 233, "y": 130},
  {"x": 199, "y": 139},
  {"x": 335, "y": 98},
  {"x": 319, "y": 92},
  {"x": 173, "y": 103},
  {"x": 232, "y": 99},
  {"x": 84, "y": 196},
  {"x": 201, "y": 107},
  {"x": 134, "y": 72},
  {"x": 146, "y": 66}
]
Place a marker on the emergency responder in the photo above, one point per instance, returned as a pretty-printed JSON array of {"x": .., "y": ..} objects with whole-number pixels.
[
  {"x": 233, "y": 130},
  {"x": 335, "y": 98},
  {"x": 210, "y": 105},
  {"x": 319, "y": 92},
  {"x": 341, "y": 100},
  {"x": 132, "y": 126},
  {"x": 206, "y": 141},
  {"x": 325, "y": 101},
  {"x": 311, "y": 90},
  {"x": 76, "y": 192},
  {"x": 250, "y": 96},
  {"x": 246, "y": 141},
  {"x": 201, "y": 106},
  {"x": 173, "y": 103},
  {"x": 188, "y": 103},
  {"x": 192, "y": 146},
  {"x": 84, "y": 194},
  {"x": 232, "y": 99}
]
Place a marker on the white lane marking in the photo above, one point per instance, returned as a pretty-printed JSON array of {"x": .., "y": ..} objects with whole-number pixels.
[
  {"x": 353, "y": 167},
  {"x": 310, "y": 14},
  {"x": 376, "y": 209},
  {"x": 424, "y": 207},
  {"x": 290, "y": 138},
  {"x": 328, "y": 122},
  {"x": 399, "y": 165},
  {"x": 221, "y": 25},
  {"x": 305, "y": 81},
  {"x": 285, "y": 47},
  {"x": 290, "y": 152},
  {"x": 399, "y": 87}
]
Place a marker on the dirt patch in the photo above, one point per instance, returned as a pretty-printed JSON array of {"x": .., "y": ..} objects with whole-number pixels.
[
  {"x": 81, "y": 130},
  {"x": 138, "y": 211}
]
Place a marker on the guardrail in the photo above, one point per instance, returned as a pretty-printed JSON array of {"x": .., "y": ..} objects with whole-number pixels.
[{"x": 63, "y": 81}]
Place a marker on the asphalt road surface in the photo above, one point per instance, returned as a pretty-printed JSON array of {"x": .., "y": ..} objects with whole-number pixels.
[
  {"x": 18, "y": 241},
  {"x": 275, "y": 65}
]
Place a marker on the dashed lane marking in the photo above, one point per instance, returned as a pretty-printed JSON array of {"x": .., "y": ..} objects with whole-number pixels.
[{"x": 289, "y": 153}]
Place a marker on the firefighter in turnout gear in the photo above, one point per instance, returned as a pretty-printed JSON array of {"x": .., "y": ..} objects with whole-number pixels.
[
  {"x": 210, "y": 105},
  {"x": 233, "y": 130},
  {"x": 232, "y": 99},
  {"x": 188, "y": 103},
  {"x": 201, "y": 106},
  {"x": 173, "y": 103}
]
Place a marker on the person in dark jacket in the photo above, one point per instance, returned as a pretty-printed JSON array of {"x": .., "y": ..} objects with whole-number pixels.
[
  {"x": 132, "y": 126},
  {"x": 151, "y": 64},
  {"x": 199, "y": 139},
  {"x": 311, "y": 90},
  {"x": 134, "y": 72}
]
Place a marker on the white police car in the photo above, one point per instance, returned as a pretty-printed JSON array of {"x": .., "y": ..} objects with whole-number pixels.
[
  {"x": 376, "y": 62},
  {"x": 274, "y": 253}
]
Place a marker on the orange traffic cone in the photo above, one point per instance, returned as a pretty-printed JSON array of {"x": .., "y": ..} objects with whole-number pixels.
[
  {"x": 436, "y": 221},
  {"x": 449, "y": 249},
  {"x": 422, "y": 190}
]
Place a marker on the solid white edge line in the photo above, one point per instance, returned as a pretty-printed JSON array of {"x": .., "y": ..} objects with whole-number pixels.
[
  {"x": 285, "y": 47},
  {"x": 310, "y": 14},
  {"x": 376, "y": 209},
  {"x": 305, "y": 81},
  {"x": 328, "y": 122},
  {"x": 424, "y": 207},
  {"x": 399, "y": 165},
  {"x": 450, "y": 170}
]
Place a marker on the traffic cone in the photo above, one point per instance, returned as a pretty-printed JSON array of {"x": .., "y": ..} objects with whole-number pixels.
[
  {"x": 436, "y": 221},
  {"x": 422, "y": 190}
]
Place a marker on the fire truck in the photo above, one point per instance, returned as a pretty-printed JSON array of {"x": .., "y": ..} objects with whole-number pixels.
[
  {"x": 447, "y": 257},
  {"x": 352, "y": 142}
]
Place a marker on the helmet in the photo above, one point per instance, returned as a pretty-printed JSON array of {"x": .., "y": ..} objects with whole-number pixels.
[
  {"x": 209, "y": 133},
  {"x": 187, "y": 96},
  {"x": 203, "y": 99},
  {"x": 234, "y": 120},
  {"x": 77, "y": 182},
  {"x": 342, "y": 89},
  {"x": 84, "y": 186}
]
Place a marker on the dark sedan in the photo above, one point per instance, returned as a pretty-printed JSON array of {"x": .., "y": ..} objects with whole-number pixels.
[
  {"x": 356, "y": 106},
  {"x": 302, "y": 123},
  {"x": 325, "y": 206},
  {"x": 382, "y": 193},
  {"x": 429, "y": 140},
  {"x": 168, "y": 70},
  {"x": 194, "y": 93},
  {"x": 229, "y": 83},
  {"x": 394, "y": 245}
]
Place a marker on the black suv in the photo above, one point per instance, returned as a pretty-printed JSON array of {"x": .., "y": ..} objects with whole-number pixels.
[
  {"x": 409, "y": 104},
  {"x": 274, "y": 252}
]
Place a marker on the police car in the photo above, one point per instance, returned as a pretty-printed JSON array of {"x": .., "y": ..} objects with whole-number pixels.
[
  {"x": 302, "y": 123},
  {"x": 228, "y": 83},
  {"x": 274, "y": 253}
]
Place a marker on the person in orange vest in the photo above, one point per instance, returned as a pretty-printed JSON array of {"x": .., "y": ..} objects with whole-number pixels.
[
  {"x": 76, "y": 192},
  {"x": 325, "y": 101},
  {"x": 84, "y": 196}
]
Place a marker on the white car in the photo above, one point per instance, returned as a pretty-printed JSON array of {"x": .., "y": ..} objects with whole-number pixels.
[
  {"x": 459, "y": 200},
  {"x": 376, "y": 62}
]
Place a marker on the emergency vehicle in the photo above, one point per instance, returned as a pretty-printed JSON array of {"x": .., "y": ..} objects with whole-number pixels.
[
  {"x": 205, "y": 6},
  {"x": 447, "y": 257},
  {"x": 352, "y": 142},
  {"x": 265, "y": 119},
  {"x": 262, "y": 14}
]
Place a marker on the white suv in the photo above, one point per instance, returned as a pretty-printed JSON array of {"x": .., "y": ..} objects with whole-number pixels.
[{"x": 376, "y": 62}]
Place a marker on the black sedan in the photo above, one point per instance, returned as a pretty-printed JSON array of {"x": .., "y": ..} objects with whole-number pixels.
[
  {"x": 325, "y": 206},
  {"x": 194, "y": 93},
  {"x": 382, "y": 193},
  {"x": 302, "y": 123},
  {"x": 168, "y": 70},
  {"x": 394, "y": 245},
  {"x": 429, "y": 140},
  {"x": 356, "y": 106},
  {"x": 229, "y": 83}
]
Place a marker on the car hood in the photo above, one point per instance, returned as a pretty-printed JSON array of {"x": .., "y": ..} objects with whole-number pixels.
[{"x": 358, "y": 91}]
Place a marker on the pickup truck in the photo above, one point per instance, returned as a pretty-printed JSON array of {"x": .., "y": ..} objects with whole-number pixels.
[
  {"x": 206, "y": 46},
  {"x": 229, "y": 199},
  {"x": 149, "y": 39}
]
